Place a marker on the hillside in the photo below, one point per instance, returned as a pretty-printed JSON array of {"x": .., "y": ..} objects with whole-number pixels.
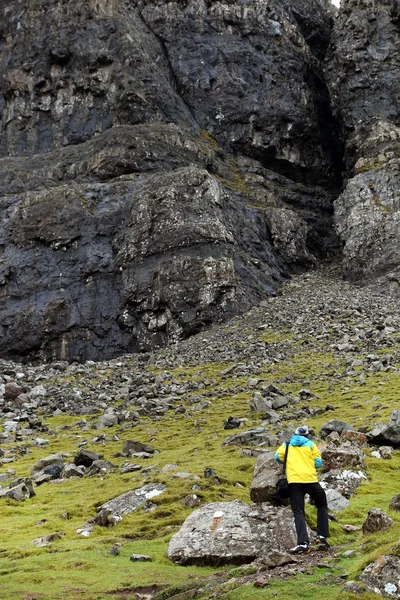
[{"x": 332, "y": 347}]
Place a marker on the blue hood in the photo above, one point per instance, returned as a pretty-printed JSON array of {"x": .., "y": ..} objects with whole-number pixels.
[{"x": 299, "y": 440}]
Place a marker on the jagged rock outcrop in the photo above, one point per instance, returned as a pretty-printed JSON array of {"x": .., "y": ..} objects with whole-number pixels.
[
  {"x": 363, "y": 78},
  {"x": 125, "y": 224}
]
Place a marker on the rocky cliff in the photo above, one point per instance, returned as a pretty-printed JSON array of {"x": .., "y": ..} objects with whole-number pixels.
[{"x": 165, "y": 165}]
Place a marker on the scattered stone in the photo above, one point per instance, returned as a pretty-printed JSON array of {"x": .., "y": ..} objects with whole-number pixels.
[
  {"x": 132, "y": 447},
  {"x": 232, "y": 423},
  {"x": 334, "y": 425},
  {"x": 130, "y": 468},
  {"x": 191, "y": 500},
  {"x": 47, "y": 539},
  {"x": 252, "y": 437},
  {"x": 261, "y": 582},
  {"x": 336, "y": 502},
  {"x": 140, "y": 558},
  {"x": 351, "y": 528},
  {"x": 11, "y": 391},
  {"x": 131, "y": 501},
  {"x": 71, "y": 470},
  {"x": 85, "y": 458},
  {"x": 209, "y": 472},
  {"x": 395, "y": 503},
  {"x": 354, "y": 437},
  {"x": 51, "y": 460},
  {"x": 376, "y": 521}
]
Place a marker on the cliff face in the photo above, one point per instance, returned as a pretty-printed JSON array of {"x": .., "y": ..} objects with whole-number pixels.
[
  {"x": 164, "y": 165},
  {"x": 363, "y": 73}
]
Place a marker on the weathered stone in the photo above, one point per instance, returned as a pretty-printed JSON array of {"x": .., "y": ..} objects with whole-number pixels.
[
  {"x": 376, "y": 521},
  {"x": 334, "y": 425},
  {"x": 85, "y": 458},
  {"x": 231, "y": 532},
  {"x": 100, "y": 117},
  {"x": 232, "y": 423},
  {"x": 100, "y": 467},
  {"x": 336, "y": 502},
  {"x": 265, "y": 475},
  {"x": 259, "y": 404},
  {"x": 11, "y": 391},
  {"x": 395, "y": 502},
  {"x": 131, "y": 501},
  {"x": 20, "y": 492},
  {"x": 191, "y": 500},
  {"x": 52, "y": 459},
  {"x": 131, "y": 447},
  {"x": 71, "y": 470},
  {"x": 383, "y": 575},
  {"x": 46, "y": 540},
  {"x": 252, "y": 437},
  {"x": 354, "y": 437},
  {"x": 343, "y": 456},
  {"x": 344, "y": 481},
  {"x": 140, "y": 558}
]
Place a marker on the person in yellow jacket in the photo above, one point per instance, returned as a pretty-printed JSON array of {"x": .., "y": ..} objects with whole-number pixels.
[{"x": 303, "y": 460}]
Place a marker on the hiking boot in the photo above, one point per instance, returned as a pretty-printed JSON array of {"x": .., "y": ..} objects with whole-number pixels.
[
  {"x": 300, "y": 548},
  {"x": 321, "y": 541}
]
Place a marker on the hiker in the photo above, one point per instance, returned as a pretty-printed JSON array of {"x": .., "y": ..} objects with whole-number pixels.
[{"x": 303, "y": 458}]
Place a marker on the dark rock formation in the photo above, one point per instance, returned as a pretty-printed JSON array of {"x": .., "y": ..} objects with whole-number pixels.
[
  {"x": 363, "y": 78},
  {"x": 163, "y": 166},
  {"x": 125, "y": 224}
]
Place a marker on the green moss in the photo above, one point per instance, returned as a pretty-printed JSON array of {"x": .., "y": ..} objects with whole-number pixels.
[{"x": 371, "y": 167}]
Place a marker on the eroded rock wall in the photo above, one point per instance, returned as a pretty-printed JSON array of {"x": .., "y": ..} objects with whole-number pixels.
[
  {"x": 363, "y": 74},
  {"x": 163, "y": 166}
]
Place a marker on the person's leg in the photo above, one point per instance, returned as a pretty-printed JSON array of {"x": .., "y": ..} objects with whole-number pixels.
[
  {"x": 297, "y": 493},
  {"x": 317, "y": 493}
]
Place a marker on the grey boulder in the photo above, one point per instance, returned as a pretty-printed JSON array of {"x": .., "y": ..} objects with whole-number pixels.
[
  {"x": 382, "y": 576},
  {"x": 265, "y": 476},
  {"x": 232, "y": 532}
]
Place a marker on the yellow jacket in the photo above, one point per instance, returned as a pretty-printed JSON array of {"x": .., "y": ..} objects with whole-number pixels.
[{"x": 303, "y": 460}]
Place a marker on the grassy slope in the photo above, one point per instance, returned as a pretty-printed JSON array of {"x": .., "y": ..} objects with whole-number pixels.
[{"x": 77, "y": 567}]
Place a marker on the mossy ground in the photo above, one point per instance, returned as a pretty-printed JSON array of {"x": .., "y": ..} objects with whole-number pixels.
[{"x": 78, "y": 567}]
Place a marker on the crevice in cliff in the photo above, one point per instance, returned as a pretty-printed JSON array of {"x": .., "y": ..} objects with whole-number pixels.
[
  {"x": 173, "y": 79},
  {"x": 315, "y": 37},
  {"x": 329, "y": 126}
]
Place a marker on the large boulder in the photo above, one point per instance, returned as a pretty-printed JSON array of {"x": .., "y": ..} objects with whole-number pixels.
[
  {"x": 334, "y": 457},
  {"x": 389, "y": 434},
  {"x": 251, "y": 437},
  {"x": 48, "y": 461},
  {"x": 232, "y": 532},
  {"x": 265, "y": 476},
  {"x": 345, "y": 481},
  {"x": 335, "y": 425}
]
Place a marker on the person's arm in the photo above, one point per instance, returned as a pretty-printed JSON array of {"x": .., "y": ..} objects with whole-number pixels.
[
  {"x": 316, "y": 456},
  {"x": 280, "y": 454}
]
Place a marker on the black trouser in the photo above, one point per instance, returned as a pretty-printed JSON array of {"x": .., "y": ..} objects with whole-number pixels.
[{"x": 316, "y": 492}]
